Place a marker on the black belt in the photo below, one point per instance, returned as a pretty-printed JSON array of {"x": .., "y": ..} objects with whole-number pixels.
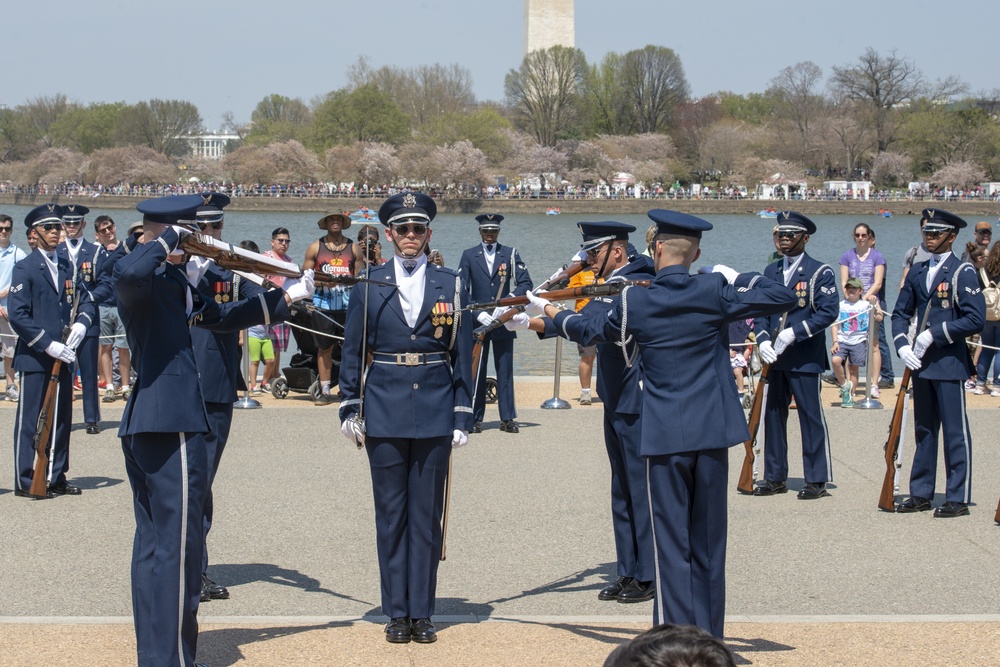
[{"x": 410, "y": 358}]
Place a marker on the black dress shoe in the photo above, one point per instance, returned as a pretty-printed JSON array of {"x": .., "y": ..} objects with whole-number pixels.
[
  {"x": 769, "y": 488},
  {"x": 211, "y": 590},
  {"x": 423, "y": 631},
  {"x": 913, "y": 504},
  {"x": 93, "y": 428},
  {"x": 24, "y": 494},
  {"x": 477, "y": 427},
  {"x": 812, "y": 491},
  {"x": 637, "y": 591},
  {"x": 509, "y": 426},
  {"x": 951, "y": 509},
  {"x": 66, "y": 489},
  {"x": 611, "y": 591},
  {"x": 398, "y": 631}
]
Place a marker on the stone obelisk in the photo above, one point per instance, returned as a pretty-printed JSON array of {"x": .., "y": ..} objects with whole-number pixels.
[{"x": 547, "y": 23}]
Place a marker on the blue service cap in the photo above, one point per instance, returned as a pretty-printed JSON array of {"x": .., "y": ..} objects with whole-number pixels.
[
  {"x": 489, "y": 220},
  {"x": 597, "y": 233},
  {"x": 674, "y": 222},
  {"x": 211, "y": 207},
  {"x": 938, "y": 220},
  {"x": 407, "y": 207},
  {"x": 74, "y": 212},
  {"x": 173, "y": 210},
  {"x": 43, "y": 214},
  {"x": 790, "y": 221}
]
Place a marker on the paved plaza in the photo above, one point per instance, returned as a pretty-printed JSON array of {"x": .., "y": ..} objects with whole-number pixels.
[{"x": 829, "y": 582}]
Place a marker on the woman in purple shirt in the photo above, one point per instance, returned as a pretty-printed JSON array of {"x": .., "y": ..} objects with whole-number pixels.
[{"x": 865, "y": 262}]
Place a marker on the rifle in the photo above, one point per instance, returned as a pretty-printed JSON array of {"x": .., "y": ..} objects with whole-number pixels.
[
  {"x": 582, "y": 292},
  {"x": 46, "y": 418},
  {"x": 745, "y": 483},
  {"x": 887, "y": 499}
]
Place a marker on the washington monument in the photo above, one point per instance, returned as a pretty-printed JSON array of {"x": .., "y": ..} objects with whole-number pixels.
[{"x": 547, "y": 23}]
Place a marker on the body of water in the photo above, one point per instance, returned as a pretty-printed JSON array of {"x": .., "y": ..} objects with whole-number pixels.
[{"x": 545, "y": 243}]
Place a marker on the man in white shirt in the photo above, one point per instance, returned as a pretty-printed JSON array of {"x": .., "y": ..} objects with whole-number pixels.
[{"x": 10, "y": 254}]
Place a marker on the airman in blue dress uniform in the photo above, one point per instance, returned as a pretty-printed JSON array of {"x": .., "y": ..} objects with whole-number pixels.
[
  {"x": 797, "y": 355},
  {"x": 691, "y": 412},
  {"x": 411, "y": 406},
  {"x": 944, "y": 294},
  {"x": 164, "y": 424},
  {"x": 487, "y": 270},
  {"x": 82, "y": 256},
  {"x": 43, "y": 290},
  {"x": 218, "y": 354},
  {"x": 605, "y": 249}
]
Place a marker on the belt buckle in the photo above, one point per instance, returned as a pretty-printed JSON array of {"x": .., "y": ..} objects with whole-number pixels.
[{"x": 411, "y": 358}]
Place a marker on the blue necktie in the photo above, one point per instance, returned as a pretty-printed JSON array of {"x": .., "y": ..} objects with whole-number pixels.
[
  {"x": 489, "y": 247},
  {"x": 409, "y": 265}
]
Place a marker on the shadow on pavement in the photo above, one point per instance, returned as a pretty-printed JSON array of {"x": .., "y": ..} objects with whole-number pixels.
[
  {"x": 739, "y": 646},
  {"x": 570, "y": 583},
  {"x": 245, "y": 573},
  {"x": 96, "y": 482}
]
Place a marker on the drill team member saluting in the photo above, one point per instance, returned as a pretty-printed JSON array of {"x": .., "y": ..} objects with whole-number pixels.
[
  {"x": 408, "y": 408},
  {"x": 44, "y": 291},
  {"x": 680, "y": 323},
  {"x": 797, "y": 357},
  {"x": 164, "y": 424},
  {"x": 944, "y": 294}
]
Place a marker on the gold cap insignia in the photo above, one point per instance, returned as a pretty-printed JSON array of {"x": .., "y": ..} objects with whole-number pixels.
[{"x": 409, "y": 201}]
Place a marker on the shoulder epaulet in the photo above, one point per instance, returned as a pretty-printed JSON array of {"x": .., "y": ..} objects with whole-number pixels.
[{"x": 445, "y": 270}]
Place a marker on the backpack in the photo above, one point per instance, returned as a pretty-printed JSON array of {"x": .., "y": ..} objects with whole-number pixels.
[{"x": 992, "y": 296}]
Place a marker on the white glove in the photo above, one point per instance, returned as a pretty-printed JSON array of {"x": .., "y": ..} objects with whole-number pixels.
[
  {"x": 536, "y": 307},
  {"x": 579, "y": 258},
  {"x": 459, "y": 438},
  {"x": 353, "y": 430},
  {"x": 484, "y": 319},
  {"x": 500, "y": 310},
  {"x": 729, "y": 274},
  {"x": 182, "y": 233},
  {"x": 767, "y": 352},
  {"x": 784, "y": 339},
  {"x": 57, "y": 350},
  {"x": 911, "y": 360},
  {"x": 553, "y": 277},
  {"x": 195, "y": 269},
  {"x": 924, "y": 341},
  {"x": 519, "y": 322},
  {"x": 301, "y": 288},
  {"x": 76, "y": 334}
]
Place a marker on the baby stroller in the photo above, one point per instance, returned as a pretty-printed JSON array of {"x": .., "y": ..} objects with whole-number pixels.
[{"x": 302, "y": 373}]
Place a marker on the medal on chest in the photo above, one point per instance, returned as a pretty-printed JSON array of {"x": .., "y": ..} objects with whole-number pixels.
[
  {"x": 942, "y": 293},
  {"x": 800, "y": 291},
  {"x": 221, "y": 288},
  {"x": 87, "y": 269},
  {"x": 69, "y": 289},
  {"x": 442, "y": 314}
]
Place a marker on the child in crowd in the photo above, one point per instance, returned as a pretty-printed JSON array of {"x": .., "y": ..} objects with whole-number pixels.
[
  {"x": 260, "y": 348},
  {"x": 850, "y": 346},
  {"x": 739, "y": 352}
]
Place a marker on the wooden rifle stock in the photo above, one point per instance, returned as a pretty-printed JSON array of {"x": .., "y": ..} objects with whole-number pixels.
[
  {"x": 887, "y": 499},
  {"x": 43, "y": 434},
  {"x": 568, "y": 294},
  {"x": 745, "y": 483}
]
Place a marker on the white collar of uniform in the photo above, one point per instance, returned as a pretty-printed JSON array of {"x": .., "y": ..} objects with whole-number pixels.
[
  {"x": 487, "y": 250},
  {"x": 937, "y": 260},
  {"x": 421, "y": 261},
  {"x": 790, "y": 265}
]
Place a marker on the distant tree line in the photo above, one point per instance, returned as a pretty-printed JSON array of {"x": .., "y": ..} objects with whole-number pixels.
[{"x": 877, "y": 118}]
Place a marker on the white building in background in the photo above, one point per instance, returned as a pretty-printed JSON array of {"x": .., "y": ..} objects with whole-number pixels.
[
  {"x": 548, "y": 23},
  {"x": 210, "y": 146}
]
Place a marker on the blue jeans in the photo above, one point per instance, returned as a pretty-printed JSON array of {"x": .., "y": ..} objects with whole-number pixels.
[{"x": 990, "y": 337}]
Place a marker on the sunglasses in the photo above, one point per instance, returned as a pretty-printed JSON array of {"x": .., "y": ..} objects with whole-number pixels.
[
  {"x": 6, "y": 230},
  {"x": 860, "y": 236},
  {"x": 51, "y": 226},
  {"x": 215, "y": 224},
  {"x": 284, "y": 241},
  {"x": 403, "y": 230},
  {"x": 933, "y": 233},
  {"x": 105, "y": 230},
  {"x": 72, "y": 223},
  {"x": 788, "y": 235},
  {"x": 987, "y": 232}
]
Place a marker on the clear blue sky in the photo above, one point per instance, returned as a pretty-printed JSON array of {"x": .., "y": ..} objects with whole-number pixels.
[{"x": 227, "y": 55}]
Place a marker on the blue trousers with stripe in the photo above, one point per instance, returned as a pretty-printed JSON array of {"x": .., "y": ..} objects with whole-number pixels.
[
  {"x": 939, "y": 405},
  {"x": 86, "y": 363},
  {"x": 169, "y": 474},
  {"x": 220, "y": 420},
  {"x": 817, "y": 464},
  {"x": 33, "y": 387},
  {"x": 503, "y": 365},
  {"x": 687, "y": 498},
  {"x": 629, "y": 498}
]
